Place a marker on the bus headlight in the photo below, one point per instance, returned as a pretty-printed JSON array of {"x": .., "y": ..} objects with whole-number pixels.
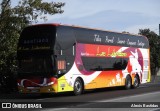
[{"x": 51, "y": 83}]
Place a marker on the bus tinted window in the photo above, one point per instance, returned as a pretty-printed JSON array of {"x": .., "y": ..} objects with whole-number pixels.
[
  {"x": 37, "y": 38},
  {"x": 35, "y": 65},
  {"x": 104, "y": 64}
]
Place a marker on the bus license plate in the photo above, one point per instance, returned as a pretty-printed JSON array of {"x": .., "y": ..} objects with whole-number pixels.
[{"x": 35, "y": 90}]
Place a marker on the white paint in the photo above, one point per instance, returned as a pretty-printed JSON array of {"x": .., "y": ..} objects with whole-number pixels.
[{"x": 74, "y": 73}]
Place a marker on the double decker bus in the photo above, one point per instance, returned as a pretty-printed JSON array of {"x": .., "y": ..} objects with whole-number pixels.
[{"x": 59, "y": 58}]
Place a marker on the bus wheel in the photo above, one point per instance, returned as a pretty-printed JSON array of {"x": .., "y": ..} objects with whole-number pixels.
[
  {"x": 128, "y": 82},
  {"x": 136, "y": 82},
  {"x": 78, "y": 87}
]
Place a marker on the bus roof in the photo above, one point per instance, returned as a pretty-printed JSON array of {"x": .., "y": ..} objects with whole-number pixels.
[
  {"x": 71, "y": 34},
  {"x": 97, "y": 29}
]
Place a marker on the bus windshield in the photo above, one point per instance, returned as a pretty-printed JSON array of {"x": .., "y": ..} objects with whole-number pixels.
[
  {"x": 35, "y": 50},
  {"x": 35, "y": 65},
  {"x": 37, "y": 38}
]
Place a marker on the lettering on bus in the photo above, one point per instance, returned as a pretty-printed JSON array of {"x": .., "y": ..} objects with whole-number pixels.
[
  {"x": 109, "y": 40},
  {"x": 34, "y": 48},
  {"x": 117, "y": 54},
  {"x": 97, "y": 38},
  {"x": 140, "y": 44},
  {"x": 36, "y": 40},
  {"x": 101, "y": 54},
  {"x": 117, "y": 40},
  {"x": 34, "y": 44},
  {"x": 131, "y": 43}
]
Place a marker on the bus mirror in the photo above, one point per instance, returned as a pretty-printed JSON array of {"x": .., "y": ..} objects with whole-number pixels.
[{"x": 68, "y": 64}]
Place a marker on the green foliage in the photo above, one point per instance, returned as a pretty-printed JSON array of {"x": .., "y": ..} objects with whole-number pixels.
[
  {"x": 34, "y": 10},
  {"x": 13, "y": 20},
  {"x": 8, "y": 39},
  {"x": 154, "y": 42}
]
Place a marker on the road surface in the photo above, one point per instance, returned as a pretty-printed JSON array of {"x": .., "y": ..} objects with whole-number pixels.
[{"x": 102, "y": 99}]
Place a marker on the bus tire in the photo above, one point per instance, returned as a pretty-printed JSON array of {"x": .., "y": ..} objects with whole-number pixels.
[
  {"x": 78, "y": 87},
  {"x": 128, "y": 82},
  {"x": 136, "y": 82}
]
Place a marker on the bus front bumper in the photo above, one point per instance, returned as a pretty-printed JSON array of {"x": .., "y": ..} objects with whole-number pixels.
[{"x": 44, "y": 89}]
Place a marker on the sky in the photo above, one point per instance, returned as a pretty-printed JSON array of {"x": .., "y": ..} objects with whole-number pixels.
[{"x": 114, "y": 15}]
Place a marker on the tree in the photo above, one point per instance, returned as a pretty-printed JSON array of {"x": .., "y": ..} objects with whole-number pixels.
[
  {"x": 12, "y": 21},
  {"x": 154, "y": 42}
]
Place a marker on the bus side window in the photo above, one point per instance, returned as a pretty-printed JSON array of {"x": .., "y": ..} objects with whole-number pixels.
[{"x": 104, "y": 63}]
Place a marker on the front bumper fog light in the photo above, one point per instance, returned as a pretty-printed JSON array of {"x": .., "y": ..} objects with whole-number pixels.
[{"x": 51, "y": 89}]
